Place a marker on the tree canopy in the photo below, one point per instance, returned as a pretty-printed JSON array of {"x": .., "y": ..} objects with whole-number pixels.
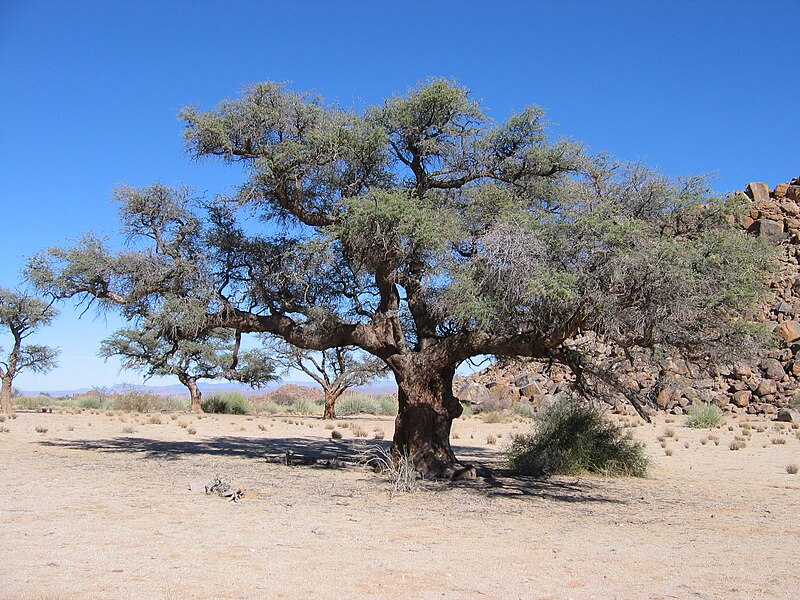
[{"x": 424, "y": 233}]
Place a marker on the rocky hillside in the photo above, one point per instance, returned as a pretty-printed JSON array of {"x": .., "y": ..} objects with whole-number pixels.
[{"x": 763, "y": 385}]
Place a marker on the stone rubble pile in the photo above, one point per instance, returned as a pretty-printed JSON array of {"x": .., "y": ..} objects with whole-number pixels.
[{"x": 768, "y": 384}]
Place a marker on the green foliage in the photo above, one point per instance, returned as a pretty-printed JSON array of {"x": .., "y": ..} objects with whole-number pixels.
[
  {"x": 31, "y": 402},
  {"x": 304, "y": 406},
  {"x": 231, "y": 403},
  {"x": 134, "y": 400},
  {"x": 569, "y": 438},
  {"x": 91, "y": 402},
  {"x": 524, "y": 410},
  {"x": 387, "y": 405},
  {"x": 704, "y": 416},
  {"x": 356, "y": 403}
]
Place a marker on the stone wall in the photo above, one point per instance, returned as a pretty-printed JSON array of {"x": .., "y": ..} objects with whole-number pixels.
[{"x": 762, "y": 385}]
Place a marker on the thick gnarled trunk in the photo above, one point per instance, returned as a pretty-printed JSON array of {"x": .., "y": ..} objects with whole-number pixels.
[
  {"x": 330, "y": 406},
  {"x": 425, "y": 414},
  {"x": 194, "y": 394},
  {"x": 6, "y": 404}
]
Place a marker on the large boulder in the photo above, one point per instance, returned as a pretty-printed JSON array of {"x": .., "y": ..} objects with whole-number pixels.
[
  {"x": 788, "y": 415},
  {"x": 770, "y": 230},
  {"x": 773, "y": 368},
  {"x": 789, "y": 331},
  {"x": 758, "y": 191}
]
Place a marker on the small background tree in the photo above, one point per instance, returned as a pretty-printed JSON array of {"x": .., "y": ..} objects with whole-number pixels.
[
  {"x": 336, "y": 370},
  {"x": 211, "y": 356},
  {"x": 23, "y": 315}
]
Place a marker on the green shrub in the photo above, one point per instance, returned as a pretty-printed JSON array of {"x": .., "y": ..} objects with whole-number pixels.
[
  {"x": 355, "y": 404},
  {"x": 570, "y": 437},
  {"x": 270, "y": 408},
  {"x": 30, "y": 402},
  {"x": 523, "y": 409},
  {"x": 133, "y": 400},
  {"x": 387, "y": 405},
  {"x": 304, "y": 406},
  {"x": 704, "y": 416},
  {"x": 94, "y": 402},
  {"x": 231, "y": 403}
]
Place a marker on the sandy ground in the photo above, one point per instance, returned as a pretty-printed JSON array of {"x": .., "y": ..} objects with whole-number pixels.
[{"x": 93, "y": 509}]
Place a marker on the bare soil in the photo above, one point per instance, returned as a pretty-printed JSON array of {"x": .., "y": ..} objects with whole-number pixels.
[{"x": 110, "y": 505}]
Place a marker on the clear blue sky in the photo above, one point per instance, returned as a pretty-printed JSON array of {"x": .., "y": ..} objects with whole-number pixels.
[{"x": 89, "y": 93}]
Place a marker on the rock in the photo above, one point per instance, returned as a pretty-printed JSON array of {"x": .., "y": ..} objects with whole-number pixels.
[
  {"x": 770, "y": 230},
  {"x": 780, "y": 190},
  {"x": 758, "y": 191},
  {"x": 767, "y": 387},
  {"x": 743, "y": 369},
  {"x": 789, "y": 331},
  {"x": 531, "y": 390},
  {"x": 773, "y": 369},
  {"x": 501, "y": 397},
  {"x": 793, "y": 192},
  {"x": 788, "y": 415},
  {"x": 472, "y": 393},
  {"x": 742, "y": 398},
  {"x": 790, "y": 208}
]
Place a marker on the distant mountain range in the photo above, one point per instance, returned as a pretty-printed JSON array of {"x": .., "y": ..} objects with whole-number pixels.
[{"x": 379, "y": 388}]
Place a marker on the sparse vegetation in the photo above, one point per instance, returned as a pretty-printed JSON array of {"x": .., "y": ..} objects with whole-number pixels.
[
  {"x": 778, "y": 441},
  {"x": 704, "y": 416},
  {"x": 40, "y": 429},
  {"x": 133, "y": 400},
  {"x": 792, "y": 468},
  {"x": 398, "y": 468},
  {"x": 230, "y": 403},
  {"x": 571, "y": 437},
  {"x": 737, "y": 444},
  {"x": 359, "y": 432},
  {"x": 524, "y": 410},
  {"x": 355, "y": 404},
  {"x": 336, "y": 434}
]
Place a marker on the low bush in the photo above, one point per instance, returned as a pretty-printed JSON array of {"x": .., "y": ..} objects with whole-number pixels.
[
  {"x": 704, "y": 416},
  {"x": 569, "y": 438},
  {"x": 93, "y": 402},
  {"x": 304, "y": 406},
  {"x": 387, "y": 405},
  {"x": 31, "y": 402},
  {"x": 230, "y": 403},
  {"x": 523, "y": 409},
  {"x": 143, "y": 401},
  {"x": 355, "y": 404}
]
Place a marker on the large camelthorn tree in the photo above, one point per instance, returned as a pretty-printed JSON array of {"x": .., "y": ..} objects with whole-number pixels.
[{"x": 424, "y": 233}]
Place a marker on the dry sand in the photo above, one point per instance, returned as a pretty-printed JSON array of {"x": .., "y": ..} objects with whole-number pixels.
[{"x": 90, "y": 511}]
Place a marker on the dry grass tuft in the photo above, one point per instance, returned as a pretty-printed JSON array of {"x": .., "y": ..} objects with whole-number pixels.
[
  {"x": 792, "y": 469},
  {"x": 737, "y": 445},
  {"x": 40, "y": 429}
]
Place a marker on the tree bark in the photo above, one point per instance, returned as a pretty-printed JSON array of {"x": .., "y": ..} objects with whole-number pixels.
[
  {"x": 425, "y": 414},
  {"x": 6, "y": 404},
  {"x": 330, "y": 405},
  {"x": 194, "y": 394}
]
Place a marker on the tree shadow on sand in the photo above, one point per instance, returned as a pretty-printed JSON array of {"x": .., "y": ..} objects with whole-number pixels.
[{"x": 343, "y": 453}]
